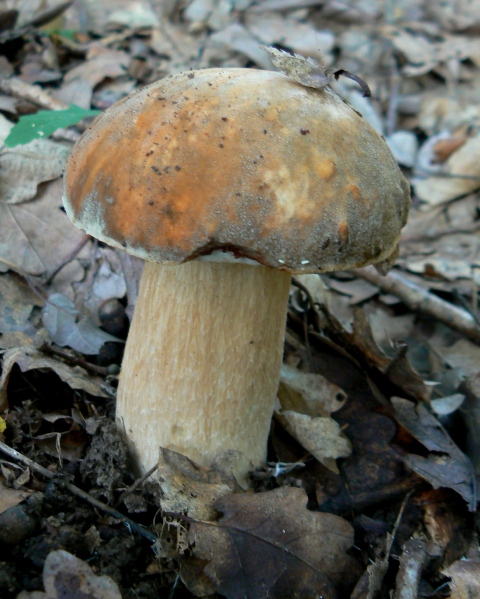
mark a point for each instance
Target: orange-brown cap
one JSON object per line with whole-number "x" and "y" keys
{"x": 247, "y": 162}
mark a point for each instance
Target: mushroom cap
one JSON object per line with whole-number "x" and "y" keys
{"x": 238, "y": 164}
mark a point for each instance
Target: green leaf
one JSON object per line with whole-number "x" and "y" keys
{"x": 43, "y": 123}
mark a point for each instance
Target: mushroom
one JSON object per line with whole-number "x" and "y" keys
{"x": 226, "y": 181}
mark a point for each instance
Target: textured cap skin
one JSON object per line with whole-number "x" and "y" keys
{"x": 240, "y": 160}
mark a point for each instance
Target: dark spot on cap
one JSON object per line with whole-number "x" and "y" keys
{"x": 156, "y": 170}
{"x": 325, "y": 244}
{"x": 166, "y": 169}
{"x": 151, "y": 203}
{"x": 177, "y": 168}
{"x": 161, "y": 98}
{"x": 304, "y": 131}
{"x": 149, "y": 153}
{"x": 264, "y": 131}
{"x": 191, "y": 75}
{"x": 220, "y": 145}
{"x": 224, "y": 118}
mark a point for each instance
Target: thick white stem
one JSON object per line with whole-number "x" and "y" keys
{"x": 202, "y": 361}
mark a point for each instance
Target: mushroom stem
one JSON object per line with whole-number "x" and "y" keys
{"x": 202, "y": 361}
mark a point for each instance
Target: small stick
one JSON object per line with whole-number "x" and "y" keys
{"x": 419, "y": 300}
{"x": 16, "y": 455}
{"x": 135, "y": 485}
{"x": 66, "y": 355}
{"x": 33, "y": 93}
{"x": 413, "y": 560}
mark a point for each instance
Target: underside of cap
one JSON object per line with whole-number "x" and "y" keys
{"x": 238, "y": 164}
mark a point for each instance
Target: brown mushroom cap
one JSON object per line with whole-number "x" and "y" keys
{"x": 244, "y": 161}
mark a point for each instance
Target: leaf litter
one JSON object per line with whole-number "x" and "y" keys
{"x": 376, "y": 424}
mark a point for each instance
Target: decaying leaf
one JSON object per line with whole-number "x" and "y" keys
{"x": 17, "y": 301}
{"x": 187, "y": 488}
{"x": 65, "y": 575}
{"x": 36, "y": 236}
{"x": 270, "y": 545}
{"x": 436, "y": 190}
{"x": 465, "y": 575}
{"x": 320, "y": 436}
{"x": 308, "y": 393}
{"x": 23, "y": 168}
{"x": 302, "y": 70}
{"x": 446, "y": 465}
{"x": 463, "y": 354}
{"x": 27, "y": 358}
{"x": 10, "y": 497}
{"x": 397, "y": 369}
{"x": 60, "y": 319}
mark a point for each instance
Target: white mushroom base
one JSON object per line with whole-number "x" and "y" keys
{"x": 202, "y": 361}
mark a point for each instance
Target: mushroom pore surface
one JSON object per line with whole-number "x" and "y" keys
{"x": 239, "y": 160}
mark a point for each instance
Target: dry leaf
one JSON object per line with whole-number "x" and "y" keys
{"x": 107, "y": 64}
{"x": 17, "y": 301}
{"x": 308, "y": 393}
{"x": 321, "y": 437}
{"x": 463, "y": 354}
{"x": 465, "y": 162}
{"x": 61, "y": 319}
{"x": 27, "y": 358}
{"x": 465, "y": 575}
{"x": 64, "y": 575}
{"x": 446, "y": 465}
{"x": 188, "y": 488}
{"x": 298, "y": 36}
{"x": 455, "y": 15}
{"x": 10, "y": 497}
{"x": 23, "y": 168}
{"x": 270, "y": 545}
{"x": 36, "y": 237}
{"x": 109, "y": 14}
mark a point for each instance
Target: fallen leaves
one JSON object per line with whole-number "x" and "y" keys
{"x": 27, "y": 358}
{"x": 321, "y": 437}
{"x": 36, "y": 236}
{"x": 269, "y": 545}
{"x": 445, "y": 465}
{"x": 61, "y": 319}
{"x": 459, "y": 175}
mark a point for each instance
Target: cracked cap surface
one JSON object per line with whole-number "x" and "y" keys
{"x": 238, "y": 164}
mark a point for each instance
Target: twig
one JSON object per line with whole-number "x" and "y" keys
{"x": 73, "y": 359}
{"x": 33, "y": 93}
{"x": 432, "y": 173}
{"x": 419, "y": 300}
{"x": 465, "y": 230}
{"x": 413, "y": 560}
{"x": 16, "y": 455}
{"x": 135, "y": 485}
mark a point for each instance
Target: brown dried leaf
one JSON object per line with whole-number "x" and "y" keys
{"x": 10, "y": 497}
{"x": 302, "y": 70}
{"x": 23, "y": 168}
{"x": 106, "y": 64}
{"x": 17, "y": 301}
{"x": 27, "y": 358}
{"x": 270, "y": 545}
{"x": 36, "y": 237}
{"x": 188, "y": 488}
{"x": 465, "y": 575}
{"x": 321, "y": 437}
{"x": 446, "y": 465}
{"x": 64, "y": 575}
{"x": 308, "y": 393}
{"x": 436, "y": 190}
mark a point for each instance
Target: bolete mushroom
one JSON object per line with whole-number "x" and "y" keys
{"x": 226, "y": 181}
